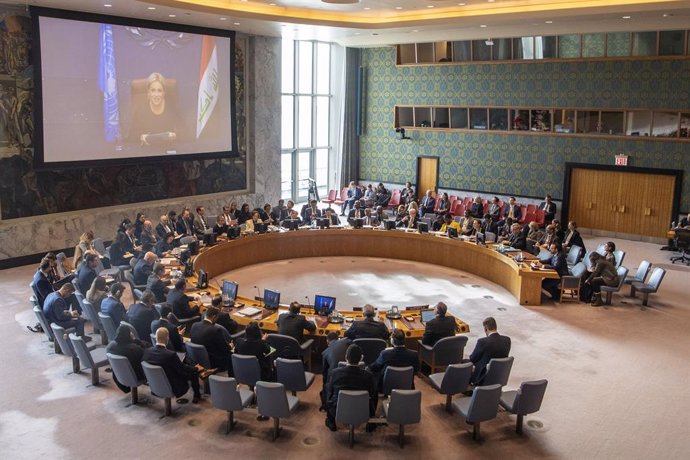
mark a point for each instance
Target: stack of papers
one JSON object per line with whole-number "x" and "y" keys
{"x": 249, "y": 311}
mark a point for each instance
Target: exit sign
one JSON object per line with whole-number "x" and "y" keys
{"x": 621, "y": 160}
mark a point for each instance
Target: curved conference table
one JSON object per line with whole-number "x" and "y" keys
{"x": 518, "y": 278}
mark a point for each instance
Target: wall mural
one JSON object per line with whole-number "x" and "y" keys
{"x": 507, "y": 163}
{"x": 25, "y": 192}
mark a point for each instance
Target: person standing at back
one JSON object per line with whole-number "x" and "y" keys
{"x": 294, "y": 324}
{"x": 440, "y": 327}
{"x": 368, "y": 328}
{"x": 492, "y": 346}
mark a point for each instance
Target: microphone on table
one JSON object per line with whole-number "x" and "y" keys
{"x": 258, "y": 296}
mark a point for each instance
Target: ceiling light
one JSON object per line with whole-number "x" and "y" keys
{"x": 357, "y": 33}
{"x": 235, "y": 23}
{"x": 489, "y": 42}
{"x": 151, "y": 8}
{"x": 491, "y": 1}
{"x": 415, "y": 31}
{"x": 398, "y": 7}
{"x": 462, "y": 4}
{"x": 482, "y": 26}
{"x": 430, "y": 6}
{"x": 548, "y": 22}
{"x": 272, "y": 4}
{"x": 108, "y": 5}
{"x": 172, "y": 15}
{"x": 626, "y": 17}
{"x": 366, "y": 8}
{"x": 223, "y": 19}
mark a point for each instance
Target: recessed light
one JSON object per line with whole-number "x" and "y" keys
{"x": 366, "y": 8}
{"x": 482, "y": 26}
{"x": 430, "y": 6}
{"x": 108, "y": 5}
{"x": 415, "y": 31}
{"x": 398, "y": 7}
{"x": 491, "y": 1}
{"x": 626, "y": 17}
{"x": 235, "y": 23}
{"x": 223, "y": 19}
{"x": 243, "y": 0}
{"x": 357, "y": 33}
{"x": 151, "y": 8}
{"x": 172, "y": 15}
{"x": 462, "y": 4}
{"x": 548, "y": 22}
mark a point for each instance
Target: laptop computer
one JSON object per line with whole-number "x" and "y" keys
{"x": 428, "y": 315}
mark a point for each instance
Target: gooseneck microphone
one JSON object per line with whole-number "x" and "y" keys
{"x": 308, "y": 301}
{"x": 258, "y": 296}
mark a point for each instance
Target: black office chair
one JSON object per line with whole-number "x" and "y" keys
{"x": 683, "y": 245}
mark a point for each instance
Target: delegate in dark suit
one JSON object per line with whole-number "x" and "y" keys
{"x": 487, "y": 348}
{"x": 175, "y": 343}
{"x": 294, "y": 325}
{"x": 207, "y": 334}
{"x": 179, "y": 302}
{"x": 141, "y": 316}
{"x": 350, "y": 377}
{"x": 54, "y": 308}
{"x": 114, "y": 308}
{"x": 517, "y": 241}
{"x": 332, "y": 355}
{"x": 163, "y": 230}
{"x": 551, "y": 285}
{"x": 131, "y": 349}
{"x": 142, "y": 271}
{"x": 158, "y": 287}
{"x": 256, "y": 347}
{"x": 398, "y": 356}
{"x": 438, "y": 328}
{"x": 573, "y": 238}
{"x": 179, "y": 374}
{"x": 368, "y": 328}
{"x": 85, "y": 276}
{"x": 517, "y": 212}
{"x": 42, "y": 287}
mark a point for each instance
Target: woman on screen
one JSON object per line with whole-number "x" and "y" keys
{"x": 155, "y": 122}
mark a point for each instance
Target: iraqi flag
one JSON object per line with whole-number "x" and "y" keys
{"x": 208, "y": 83}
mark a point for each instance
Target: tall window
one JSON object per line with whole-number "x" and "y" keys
{"x": 306, "y": 118}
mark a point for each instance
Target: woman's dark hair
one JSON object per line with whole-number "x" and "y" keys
{"x": 252, "y": 331}
{"x": 611, "y": 245}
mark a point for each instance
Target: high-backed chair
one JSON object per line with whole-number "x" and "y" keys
{"x": 352, "y": 410}
{"x": 398, "y": 378}
{"x": 199, "y": 355}
{"x": 123, "y": 371}
{"x": 288, "y": 347}
{"x": 403, "y": 408}
{"x": 640, "y": 274}
{"x": 453, "y": 381}
{"x": 129, "y": 278}
{"x": 290, "y": 372}
{"x": 65, "y": 345}
{"x": 619, "y": 255}
{"x": 159, "y": 384}
{"x": 246, "y": 370}
{"x": 570, "y": 284}
{"x": 609, "y": 290}
{"x": 137, "y": 293}
{"x": 226, "y": 396}
{"x": 129, "y": 325}
{"x": 108, "y": 326}
{"x": 90, "y": 312}
{"x": 481, "y": 407}
{"x": 332, "y": 195}
{"x": 574, "y": 255}
{"x": 45, "y": 325}
{"x": 498, "y": 371}
{"x": 683, "y": 245}
{"x": 650, "y": 287}
{"x": 371, "y": 348}
{"x": 446, "y": 351}
{"x": 273, "y": 401}
{"x": 89, "y": 359}
{"x": 524, "y": 401}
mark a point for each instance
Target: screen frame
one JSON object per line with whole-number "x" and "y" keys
{"x": 38, "y": 142}
{"x": 266, "y": 304}
{"x": 237, "y": 287}
{"x": 319, "y": 311}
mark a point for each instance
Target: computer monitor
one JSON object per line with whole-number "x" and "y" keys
{"x": 358, "y": 223}
{"x": 229, "y": 291}
{"x": 390, "y": 224}
{"x": 423, "y": 227}
{"x": 324, "y": 305}
{"x": 291, "y": 224}
{"x": 234, "y": 232}
{"x": 452, "y": 232}
{"x": 260, "y": 227}
{"x": 481, "y": 238}
{"x": 193, "y": 248}
{"x": 428, "y": 315}
{"x": 323, "y": 222}
{"x": 271, "y": 299}
{"x": 210, "y": 239}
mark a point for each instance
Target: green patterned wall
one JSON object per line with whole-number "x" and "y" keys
{"x": 527, "y": 165}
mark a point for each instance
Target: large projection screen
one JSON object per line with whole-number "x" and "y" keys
{"x": 113, "y": 90}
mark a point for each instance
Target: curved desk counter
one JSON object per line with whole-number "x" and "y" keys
{"x": 518, "y": 278}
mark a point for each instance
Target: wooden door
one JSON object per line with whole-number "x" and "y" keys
{"x": 427, "y": 175}
{"x": 622, "y": 202}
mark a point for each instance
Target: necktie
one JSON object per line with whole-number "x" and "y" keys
{"x": 510, "y": 212}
